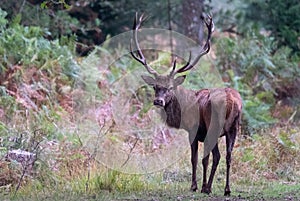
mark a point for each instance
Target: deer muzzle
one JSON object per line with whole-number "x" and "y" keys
{"x": 159, "y": 102}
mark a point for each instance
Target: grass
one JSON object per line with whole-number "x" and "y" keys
{"x": 252, "y": 179}
{"x": 262, "y": 190}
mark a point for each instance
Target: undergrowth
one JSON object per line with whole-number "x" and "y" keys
{"x": 50, "y": 104}
{"x": 271, "y": 159}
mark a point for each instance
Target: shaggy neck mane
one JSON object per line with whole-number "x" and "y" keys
{"x": 173, "y": 112}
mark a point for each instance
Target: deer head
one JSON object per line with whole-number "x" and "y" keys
{"x": 165, "y": 85}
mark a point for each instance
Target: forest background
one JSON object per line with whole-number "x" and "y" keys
{"x": 52, "y": 79}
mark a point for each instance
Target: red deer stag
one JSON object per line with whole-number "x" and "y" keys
{"x": 206, "y": 114}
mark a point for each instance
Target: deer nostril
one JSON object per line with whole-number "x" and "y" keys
{"x": 159, "y": 102}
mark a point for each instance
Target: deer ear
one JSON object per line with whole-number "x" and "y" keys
{"x": 179, "y": 80}
{"x": 149, "y": 80}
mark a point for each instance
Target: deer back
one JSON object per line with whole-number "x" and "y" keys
{"x": 220, "y": 105}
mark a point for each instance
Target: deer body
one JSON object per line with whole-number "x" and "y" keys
{"x": 206, "y": 114}
{"x": 189, "y": 109}
{"x": 192, "y": 109}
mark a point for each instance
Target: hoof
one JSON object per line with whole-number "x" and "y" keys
{"x": 205, "y": 190}
{"x": 227, "y": 193}
{"x": 194, "y": 188}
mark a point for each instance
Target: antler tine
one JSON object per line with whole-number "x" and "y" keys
{"x": 205, "y": 49}
{"x": 140, "y": 56}
{"x": 173, "y": 72}
{"x": 186, "y": 65}
{"x": 174, "y": 67}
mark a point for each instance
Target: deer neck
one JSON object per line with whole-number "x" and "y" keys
{"x": 173, "y": 113}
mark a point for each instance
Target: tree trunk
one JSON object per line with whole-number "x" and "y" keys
{"x": 192, "y": 25}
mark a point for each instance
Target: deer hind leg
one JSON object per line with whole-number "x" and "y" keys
{"x": 230, "y": 139}
{"x": 194, "y": 160}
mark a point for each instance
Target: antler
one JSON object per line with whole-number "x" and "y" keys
{"x": 139, "y": 56}
{"x": 205, "y": 49}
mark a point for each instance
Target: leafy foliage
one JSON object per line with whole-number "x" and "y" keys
{"x": 278, "y": 19}
{"x": 36, "y": 76}
{"x": 259, "y": 72}
{"x": 281, "y": 17}
{"x": 57, "y": 24}
{"x": 27, "y": 46}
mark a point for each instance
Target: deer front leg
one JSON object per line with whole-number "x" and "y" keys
{"x": 194, "y": 160}
{"x": 216, "y": 159}
{"x": 204, "y": 182}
